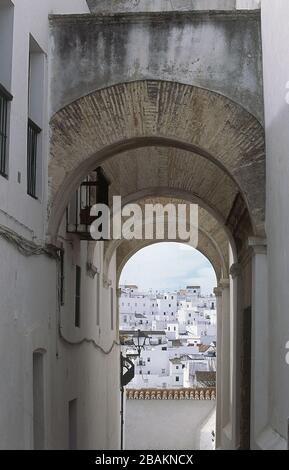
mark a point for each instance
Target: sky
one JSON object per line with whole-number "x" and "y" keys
{"x": 169, "y": 266}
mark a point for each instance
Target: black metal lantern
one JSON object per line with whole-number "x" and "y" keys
{"x": 93, "y": 190}
{"x": 139, "y": 341}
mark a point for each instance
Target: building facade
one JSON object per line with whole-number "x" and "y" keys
{"x": 172, "y": 357}
{"x": 185, "y": 120}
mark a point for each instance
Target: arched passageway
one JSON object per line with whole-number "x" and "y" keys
{"x": 155, "y": 113}
{"x": 158, "y": 141}
{"x": 153, "y": 284}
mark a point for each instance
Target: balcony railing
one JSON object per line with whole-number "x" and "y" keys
{"x": 5, "y": 98}
{"x": 33, "y": 132}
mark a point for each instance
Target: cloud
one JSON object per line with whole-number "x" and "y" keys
{"x": 169, "y": 266}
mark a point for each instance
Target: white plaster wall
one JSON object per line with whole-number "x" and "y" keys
{"x": 29, "y": 311}
{"x": 207, "y": 439}
{"x": 166, "y": 424}
{"x": 276, "y": 75}
{"x": 27, "y": 323}
{"x": 30, "y": 17}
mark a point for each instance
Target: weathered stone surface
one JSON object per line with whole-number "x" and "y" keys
{"x": 157, "y": 170}
{"x": 115, "y": 120}
{"x": 100, "y": 6}
{"x": 212, "y": 239}
{"x": 217, "y": 50}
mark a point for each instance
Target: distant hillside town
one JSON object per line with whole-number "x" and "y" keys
{"x": 180, "y": 349}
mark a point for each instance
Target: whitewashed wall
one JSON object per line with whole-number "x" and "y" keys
{"x": 29, "y": 311}
{"x": 167, "y": 424}
{"x": 272, "y": 420}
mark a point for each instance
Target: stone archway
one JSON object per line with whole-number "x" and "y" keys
{"x": 146, "y": 113}
{"x": 195, "y": 140}
{"x": 213, "y": 238}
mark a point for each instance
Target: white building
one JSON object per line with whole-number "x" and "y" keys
{"x": 137, "y": 310}
{"x": 48, "y": 306}
{"x": 71, "y": 105}
{"x": 165, "y": 362}
{"x": 177, "y": 372}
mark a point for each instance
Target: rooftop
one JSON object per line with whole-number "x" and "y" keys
{"x": 208, "y": 379}
{"x": 172, "y": 394}
{"x": 176, "y": 360}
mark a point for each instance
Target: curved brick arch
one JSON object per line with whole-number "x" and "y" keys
{"x": 138, "y": 114}
{"x": 129, "y": 248}
{"x": 213, "y": 241}
{"x": 126, "y": 249}
{"x": 209, "y": 221}
{"x": 159, "y": 171}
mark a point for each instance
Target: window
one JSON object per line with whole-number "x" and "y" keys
{"x": 149, "y": 359}
{"x": 38, "y": 401}
{"x": 72, "y": 425}
{"x": 5, "y": 99}
{"x": 77, "y": 296}
{"x": 177, "y": 367}
{"x": 177, "y": 379}
{"x": 6, "y": 41}
{"x": 35, "y": 118}
{"x": 32, "y": 150}
{"x": 149, "y": 372}
{"x": 170, "y": 305}
{"x": 172, "y": 314}
{"x": 163, "y": 371}
{"x": 6, "y": 47}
